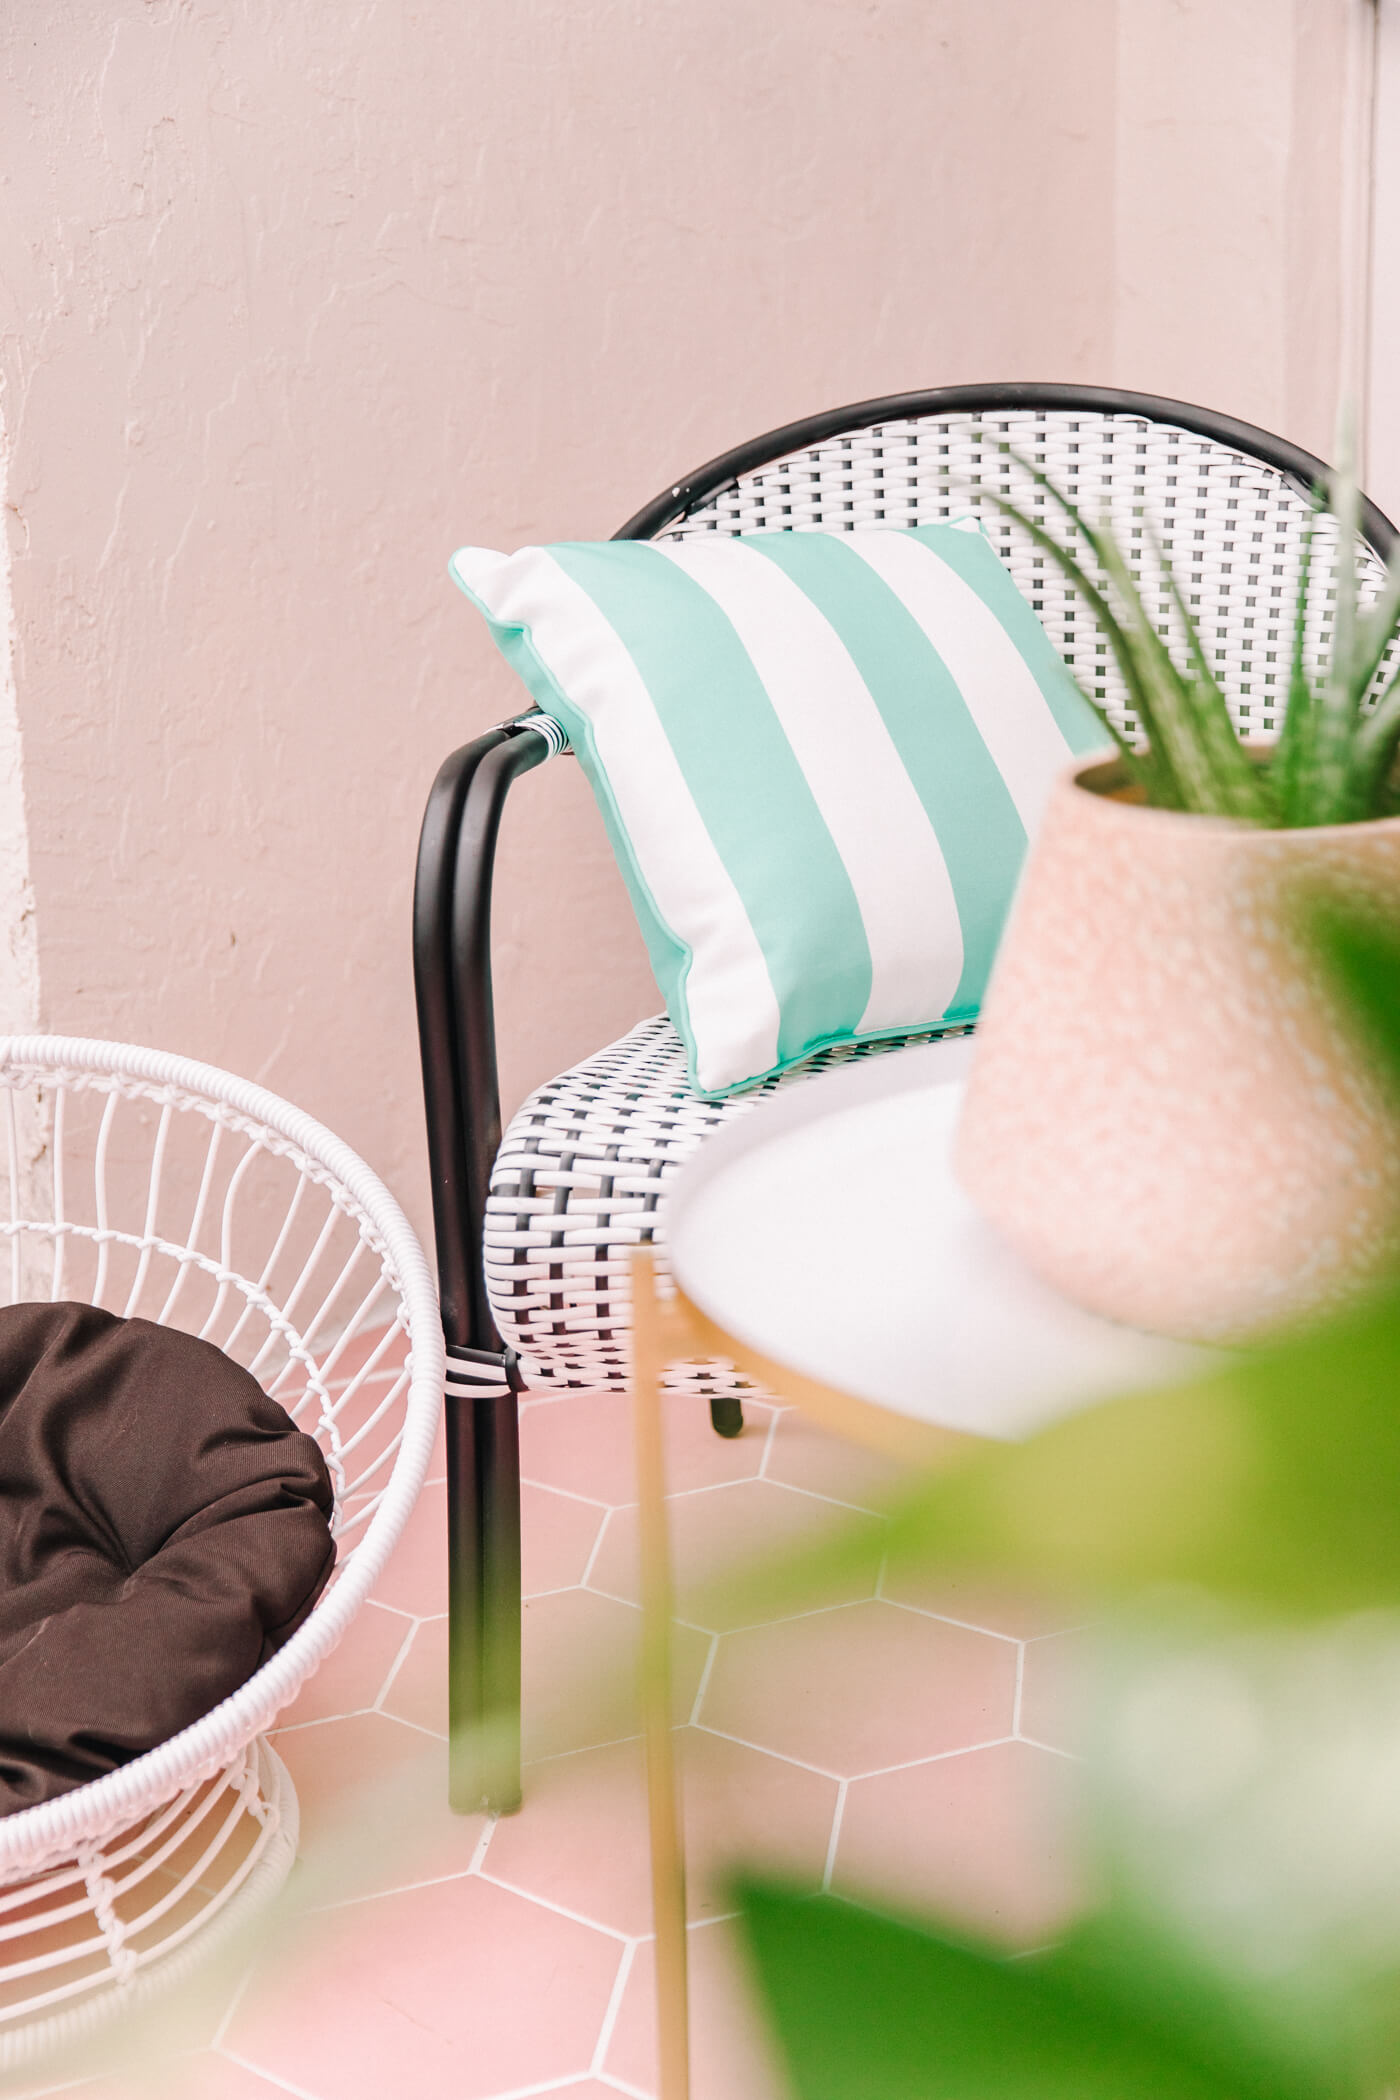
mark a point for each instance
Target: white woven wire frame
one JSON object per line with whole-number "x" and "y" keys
{"x": 582, "y": 1171}
{"x": 155, "y": 1185}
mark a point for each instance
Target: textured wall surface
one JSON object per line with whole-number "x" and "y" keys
{"x": 1229, "y": 205}
{"x": 294, "y": 300}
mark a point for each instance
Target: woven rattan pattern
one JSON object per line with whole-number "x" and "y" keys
{"x": 580, "y": 1180}
{"x": 581, "y": 1175}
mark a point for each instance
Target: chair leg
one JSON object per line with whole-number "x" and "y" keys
{"x": 483, "y": 1558}
{"x": 726, "y": 1414}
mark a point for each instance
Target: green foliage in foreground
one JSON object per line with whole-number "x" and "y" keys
{"x": 1334, "y": 760}
{"x": 1245, "y": 1529}
{"x": 874, "y": 2007}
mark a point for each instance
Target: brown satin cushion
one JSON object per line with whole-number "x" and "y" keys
{"x": 163, "y": 1530}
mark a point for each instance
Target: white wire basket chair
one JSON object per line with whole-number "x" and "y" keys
{"x": 152, "y": 1185}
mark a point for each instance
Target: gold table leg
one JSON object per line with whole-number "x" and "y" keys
{"x": 655, "y": 1340}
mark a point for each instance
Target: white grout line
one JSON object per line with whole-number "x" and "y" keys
{"x": 437, "y": 1735}
{"x": 555, "y": 1757}
{"x": 483, "y": 1844}
{"x": 935, "y": 1757}
{"x": 822, "y": 1771}
{"x": 943, "y": 1618}
{"x": 356, "y": 1713}
{"x": 830, "y": 1866}
{"x": 704, "y": 1684}
{"x": 768, "y": 1441}
{"x": 397, "y": 1609}
{"x": 614, "y": 2007}
{"x": 597, "y": 1549}
{"x": 1020, "y": 1681}
{"x": 570, "y": 2084}
{"x": 861, "y": 1509}
{"x": 569, "y": 1589}
{"x": 233, "y": 2004}
{"x": 560, "y": 1910}
{"x": 620, "y": 2085}
{"x": 549, "y": 1487}
{"x": 283, "y": 2085}
{"x": 398, "y": 1888}
{"x": 1034, "y": 1742}
{"x": 396, "y": 1665}
{"x": 613, "y": 1598}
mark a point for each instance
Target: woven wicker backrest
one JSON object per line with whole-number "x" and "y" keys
{"x": 1231, "y": 525}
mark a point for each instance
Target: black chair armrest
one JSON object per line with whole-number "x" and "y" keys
{"x": 456, "y": 1014}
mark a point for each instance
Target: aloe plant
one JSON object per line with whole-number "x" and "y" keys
{"x": 1335, "y": 758}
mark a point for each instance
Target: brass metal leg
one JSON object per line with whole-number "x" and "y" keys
{"x": 651, "y": 1322}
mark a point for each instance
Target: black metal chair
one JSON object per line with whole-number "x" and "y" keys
{"x": 533, "y": 1234}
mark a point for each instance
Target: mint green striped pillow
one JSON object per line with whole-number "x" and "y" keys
{"x": 819, "y": 756}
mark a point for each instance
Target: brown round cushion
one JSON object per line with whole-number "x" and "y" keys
{"x": 163, "y": 1529}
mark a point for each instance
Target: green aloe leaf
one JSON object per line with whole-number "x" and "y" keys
{"x": 1375, "y": 626}
{"x": 1327, "y": 778}
{"x": 1205, "y": 752}
{"x": 1248, "y": 787}
{"x": 1373, "y": 751}
{"x": 1152, "y": 767}
{"x": 1191, "y": 739}
{"x": 1292, "y": 753}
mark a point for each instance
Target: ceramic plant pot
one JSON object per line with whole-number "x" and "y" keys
{"x": 1164, "y": 1116}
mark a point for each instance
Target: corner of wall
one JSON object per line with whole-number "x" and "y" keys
{"x": 19, "y": 944}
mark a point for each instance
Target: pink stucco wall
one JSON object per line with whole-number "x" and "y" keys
{"x": 293, "y": 300}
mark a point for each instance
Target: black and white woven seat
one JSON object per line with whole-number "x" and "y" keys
{"x": 534, "y": 1230}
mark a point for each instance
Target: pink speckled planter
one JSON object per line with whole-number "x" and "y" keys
{"x": 1164, "y": 1117}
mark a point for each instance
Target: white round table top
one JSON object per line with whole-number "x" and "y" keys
{"x": 826, "y": 1231}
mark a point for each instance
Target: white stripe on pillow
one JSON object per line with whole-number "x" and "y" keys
{"x": 872, "y": 811}
{"x": 995, "y": 680}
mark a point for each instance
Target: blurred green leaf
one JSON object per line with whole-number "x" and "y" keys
{"x": 872, "y": 2007}
{"x": 1358, "y": 952}
{"x": 1240, "y": 1780}
{"x": 1273, "y": 1483}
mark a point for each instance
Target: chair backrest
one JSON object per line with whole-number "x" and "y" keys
{"x": 1227, "y": 504}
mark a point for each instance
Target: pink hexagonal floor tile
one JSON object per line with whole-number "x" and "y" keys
{"x": 582, "y": 1841}
{"x": 202, "y": 2076}
{"x": 861, "y": 1687}
{"x": 1052, "y": 1691}
{"x": 415, "y": 1579}
{"x": 461, "y": 1987}
{"x": 719, "y": 1532}
{"x": 354, "y": 1673}
{"x": 731, "y": 2057}
{"x": 584, "y": 1443}
{"x": 997, "y": 1607}
{"x": 557, "y": 1535}
{"x": 372, "y": 1840}
{"x": 584, "y": 2089}
{"x": 803, "y": 1456}
{"x": 578, "y": 1671}
{"x": 982, "y": 1839}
